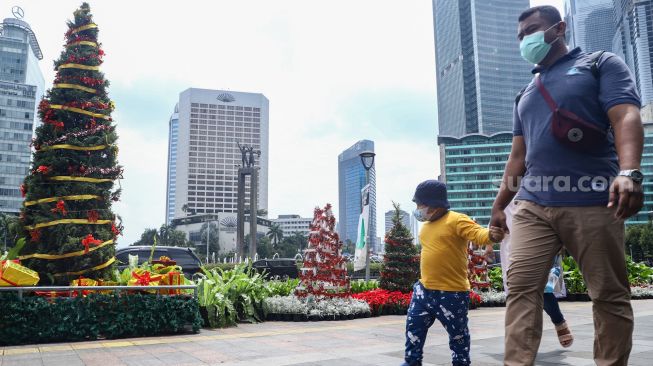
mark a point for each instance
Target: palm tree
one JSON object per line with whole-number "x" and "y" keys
{"x": 300, "y": 239}
{"x": 275, "y": 234}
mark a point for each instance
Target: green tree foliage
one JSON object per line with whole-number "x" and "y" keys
{"x": 165, "y": 236}
{"x": 74, "y": 165}
{"x": 212, "y": 235}
{"x": 401, "y": 261}
{"x": 639, "y": 242}
{"x": 275, "y": 234}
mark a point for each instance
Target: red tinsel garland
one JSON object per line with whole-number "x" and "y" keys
{"x": 90, "y": 240}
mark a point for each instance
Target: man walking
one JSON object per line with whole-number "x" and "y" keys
{"x": 574, "y": 166}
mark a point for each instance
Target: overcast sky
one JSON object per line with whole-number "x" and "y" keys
{"x": 335, "y": 72}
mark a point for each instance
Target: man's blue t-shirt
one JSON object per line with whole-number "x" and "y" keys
{"x": 555, "y": 174}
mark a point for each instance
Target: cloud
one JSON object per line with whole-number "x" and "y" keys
{"x": 335, "y": 72}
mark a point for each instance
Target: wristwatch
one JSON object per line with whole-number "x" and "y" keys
{"x": 633, "y": 174}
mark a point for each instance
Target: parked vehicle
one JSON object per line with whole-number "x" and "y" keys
{"x": 185, "y": 257}
{"x": 277, "y": 268}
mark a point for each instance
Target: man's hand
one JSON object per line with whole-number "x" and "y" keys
{"x": 498, "y": 219}
{"x": 496, "y": 233}
{"x": 627, "y": 195}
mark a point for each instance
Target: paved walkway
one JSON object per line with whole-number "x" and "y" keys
{"x": 372, "y": 341}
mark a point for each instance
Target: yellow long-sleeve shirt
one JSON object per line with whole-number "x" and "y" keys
{"x": 444, "y": 251}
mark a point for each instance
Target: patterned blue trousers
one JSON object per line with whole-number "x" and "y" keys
{"x": 450, "y": 308}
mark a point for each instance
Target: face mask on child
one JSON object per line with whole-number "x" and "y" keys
{"x": 421, "y": 214}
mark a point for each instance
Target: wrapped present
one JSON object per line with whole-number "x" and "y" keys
{"x": 172, "y": 279}
{"x": 83, "y": 282}
{"x": 144, "y": 278}
{"x": 165, "y": 261}
{"x": 107, "y": 283}
{"x": 52, "y": 295}
{"x": 14, "y": 274}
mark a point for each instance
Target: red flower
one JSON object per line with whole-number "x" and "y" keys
{"x": 23, "y": 190}
{"x": 43, "y": 169}
{"x": 115, "y": 230}
{"x": 35, "y": 235}
{"x": 93, "y": 216}
{"x": 61, "y": 207}
{"x": 90, "y": 240}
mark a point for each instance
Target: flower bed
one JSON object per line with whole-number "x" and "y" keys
{"x": 384, "y": 302}
{"x": 292, "y": 308}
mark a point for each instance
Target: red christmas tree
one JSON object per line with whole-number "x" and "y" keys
{"x": 477, "y": 268}
{"x": 324, "y": 272}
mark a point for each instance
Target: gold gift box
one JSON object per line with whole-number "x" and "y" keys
{"x": 14, "y": 274}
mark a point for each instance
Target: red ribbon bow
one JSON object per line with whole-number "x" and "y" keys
{"x": 142, "y": 280}
{"x": 90, "y": 240}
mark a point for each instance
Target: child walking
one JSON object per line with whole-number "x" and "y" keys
{"x": 442, "y": 293}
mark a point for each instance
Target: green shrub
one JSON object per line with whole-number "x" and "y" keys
{"x": 358, "y": 286}
{"x": 496, "y": 278}
{"x": 34, "y": 319}
{"x": 375, "y": 270}
{"x": 282, "y": 288}
{"x": 233, "y": 295}
{"x": 222, "y": 266}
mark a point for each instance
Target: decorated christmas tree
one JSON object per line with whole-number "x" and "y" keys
{"x": 324, "y": 272}
{"x": 401, "y": 261}
{"x": 69, "y": 226}
{"x": 477, "y": 267}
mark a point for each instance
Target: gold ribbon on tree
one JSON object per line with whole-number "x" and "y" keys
{"x": 67, "y": 255}
{"x": 73, "y": 147}
{"x": 103, "y": 265}
{"x": 79, "y": 110}
{"x": 66, "y": 178}
{"x": 79, "y": 197}
{"x": 79, "y": 66}
{"x": 75, "y": 86}
{"x": 68, "y": 221}
{"x": 83, "y": 43}
{"x": 83, "y": 28}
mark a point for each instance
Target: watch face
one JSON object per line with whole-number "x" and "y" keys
{"x": 637, "y": 176}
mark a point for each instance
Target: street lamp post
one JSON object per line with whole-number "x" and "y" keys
{"x": 367, "y": 158}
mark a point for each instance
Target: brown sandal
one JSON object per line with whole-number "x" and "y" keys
{"x": 564, "y": 335}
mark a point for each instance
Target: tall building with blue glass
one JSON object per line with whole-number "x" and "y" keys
{"x": 590, "y": 24}
{"x": 21, "y": 88}
{"x": 646, "y": 213}
{"x": 479, "y": 70}
{"x": 173, "y": 137}
{"x": 633, "y": 41}
{"x": 351, "y": 180}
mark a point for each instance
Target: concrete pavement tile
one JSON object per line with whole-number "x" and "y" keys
{"x": 142, "y": 361}
{"x": 24, "y": 362}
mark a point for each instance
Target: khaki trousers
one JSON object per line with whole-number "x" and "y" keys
{"x": 596, "y": 240}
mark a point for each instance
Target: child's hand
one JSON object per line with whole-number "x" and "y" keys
{"x": 496, "y": 234}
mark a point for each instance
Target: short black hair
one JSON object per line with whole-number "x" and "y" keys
{"x": 547, "y": 12}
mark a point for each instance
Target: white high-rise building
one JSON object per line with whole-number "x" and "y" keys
{"x": 203, "y": 155}
{"x": 21, "y": 89}
{"x": 291, "y": 224}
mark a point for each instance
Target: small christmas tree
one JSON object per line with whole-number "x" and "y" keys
{"x": 69, "y": 226}
{"x": 324, "y": 272}
{"x": 401, "y": 261}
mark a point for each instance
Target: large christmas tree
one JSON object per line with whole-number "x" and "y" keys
{"x": 69, "y": 226}
{"x": 401, "y": 260}
{"x": 324, "y": 272}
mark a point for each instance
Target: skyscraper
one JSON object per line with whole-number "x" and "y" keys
{"x": 479, "y": 71}
{"x": 590, "y": 24}
{"x": 351, "y": 180}
{"x": 173, "y": 137}
{"x": 21, "y": 87}
{"x": 478, "y": 66}
{"x": 203, "y": 156}
{"x": 633, "y": 40}
{"x": 405, "y": 219}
